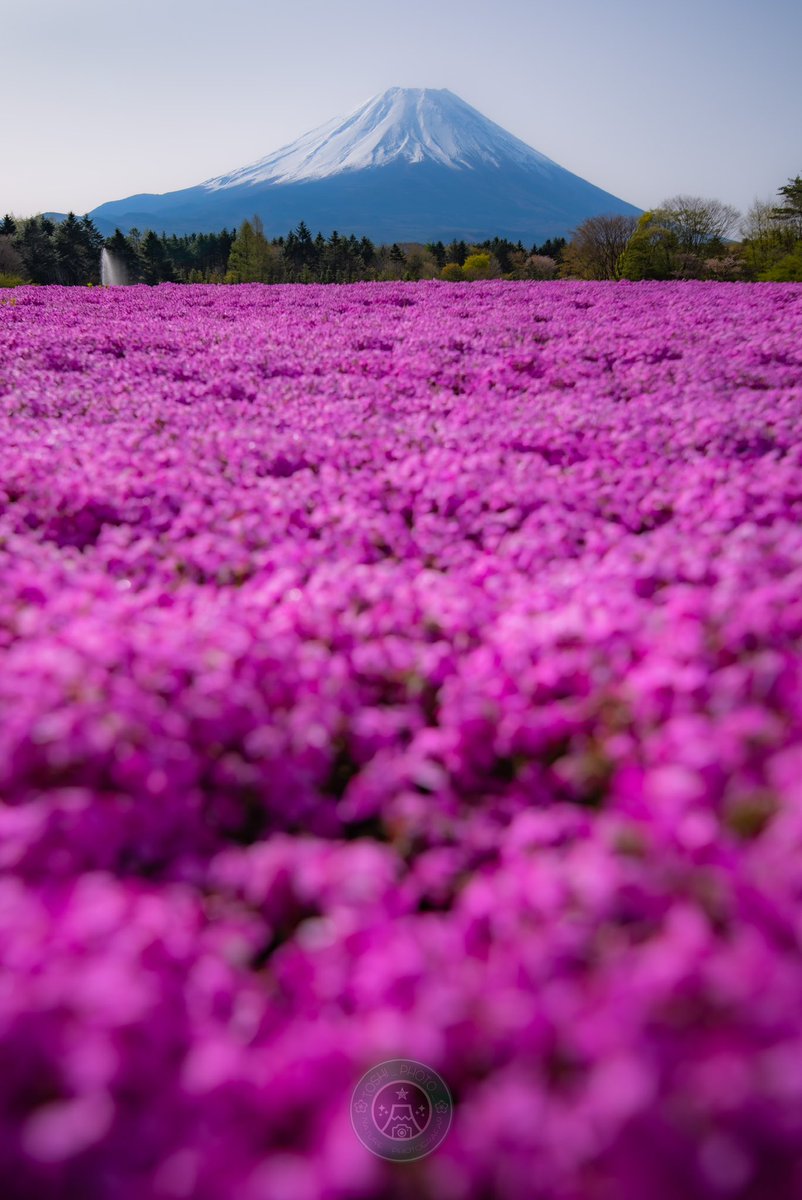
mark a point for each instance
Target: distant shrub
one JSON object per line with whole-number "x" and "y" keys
{"x": 452, "y": 272}
{"x": 729, "y": 267}
{"x": 788, "y": 269}
{"x": 477, "y": 266}
{"x": 540, "y": 266}
{"x": 11, "y": 281}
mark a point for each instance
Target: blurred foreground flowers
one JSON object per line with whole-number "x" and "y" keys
{"x": 401, "y": 670}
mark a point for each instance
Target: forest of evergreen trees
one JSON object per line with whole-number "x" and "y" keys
{"x": 40, "y": 250}
{"x": 686, "y": 237}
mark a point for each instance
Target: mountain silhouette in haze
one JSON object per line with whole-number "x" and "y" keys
{"x": 413, "y": 164}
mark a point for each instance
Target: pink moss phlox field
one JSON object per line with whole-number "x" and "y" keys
{"x": 401, "y": 670}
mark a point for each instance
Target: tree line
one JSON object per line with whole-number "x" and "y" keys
{"x": 689, "y": 237}
{"x": 685, "y": 237}
{"x": 40, "y": 250}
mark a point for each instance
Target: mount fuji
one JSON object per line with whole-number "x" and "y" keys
{"x": 412, "y": 164}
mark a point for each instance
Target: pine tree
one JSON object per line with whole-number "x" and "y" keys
{"x": 127, "y": 255}
{"x": 72, "y": 252}
{"x": 791, "y": 208}
{"x": 34, "y": 241}
{"x": 93, "y": 244}
{"x": 250, "y": 258}
{"x": 156, "y": 266}
{"x": 12, "y": 268}
{"x": 456, "y": 252}
{"x": 367, "y": 251}
{"x": 552, "y": 248}
{"x": 438, "y": 253}
{"x": 242, "y": 259}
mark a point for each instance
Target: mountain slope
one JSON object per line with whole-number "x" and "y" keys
{"x": 411, "y": 164}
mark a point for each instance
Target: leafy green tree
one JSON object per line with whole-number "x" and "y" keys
{"x": 676, "y": 240}
{"x": 787, "y": 269}
{"x": 651, "y": 251}
{"x": 766, "y": 238}
{"x": 452, "y": 272}
{"x": 787, "y": 266}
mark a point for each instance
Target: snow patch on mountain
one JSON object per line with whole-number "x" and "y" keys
{"x": 401, "y": 125}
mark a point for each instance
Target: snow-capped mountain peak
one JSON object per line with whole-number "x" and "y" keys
{"x": 411, "y": 165}
{"x": 401, "y": 125}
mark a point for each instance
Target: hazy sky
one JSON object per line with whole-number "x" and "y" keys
{"x": 104, "y": 98}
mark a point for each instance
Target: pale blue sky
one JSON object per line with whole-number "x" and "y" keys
{"x": 104, "y": 98}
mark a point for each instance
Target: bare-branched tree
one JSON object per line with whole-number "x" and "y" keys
{"x": 596, "y": 246}
{"x": 697, "y": 222}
